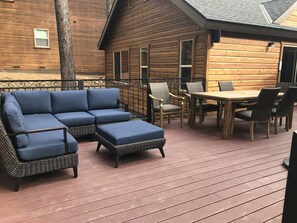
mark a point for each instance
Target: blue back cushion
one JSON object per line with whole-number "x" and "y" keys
{"x": 103, "y": 98}
{"x": 15, "y": 122}
{"x": 69, "y": 101}
{"x": 7, "y": 97}
{"x": 34, "y": 101}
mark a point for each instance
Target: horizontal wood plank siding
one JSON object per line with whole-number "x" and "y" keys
{"x": 291, "y": 21}
{"x": 18, "y": 19}
{"x": 248, "y": 63}
{"x": 160, "y": 25}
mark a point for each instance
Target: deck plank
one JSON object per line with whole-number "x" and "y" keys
{"x": 202, "y": 179}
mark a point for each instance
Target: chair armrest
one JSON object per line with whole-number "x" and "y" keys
{"x": 177, "y": 97}
{"x": 46, "y": 130}
{"x": 126, "y": 105}
{"x": 188, "y": 95}
{"x": 155, "y": 98}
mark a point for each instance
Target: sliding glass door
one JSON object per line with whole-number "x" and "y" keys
{"x": 289, "y": 65}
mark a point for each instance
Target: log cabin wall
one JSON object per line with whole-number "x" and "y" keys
{"x": 248, "y": 62}
{"x": 160, "y": 25}
{"x": 19, "y": 18}
{"x": 291, "y": 20}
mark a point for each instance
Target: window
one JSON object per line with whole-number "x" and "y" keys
{"x": 186, "y": 61}
{"x": 41, "y": 38}
{"x": 121, "y": 65}
{"x": 289, "y": 65}
{"x": 144, "y": 64}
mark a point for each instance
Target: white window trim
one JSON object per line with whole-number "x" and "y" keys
{"x": 48, "y": 39}
{"x": 180, "y": 57}
{"x": 141, "y": 66}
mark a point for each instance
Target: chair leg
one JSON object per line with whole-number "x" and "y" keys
{"x": 75, "y": 172}
{"x": 169, "y": 118}
{"x": 280, "y": 121}
{"x": 161, "y": 118}
{"x": 275, "y": 125}
{"x": 287, "y": 123}
{"x": 182, "y": 118}
{"x": 17, "y": 183}
{"x": 153, "y": 118}
{"x": 218, "y": 118}
{"x": 116, "y": 161}
{"x": 162, "y": 152}
{"x": 252, "y": 127}
{"x": 98, "y": 146}
{"x": 268, "y": 129}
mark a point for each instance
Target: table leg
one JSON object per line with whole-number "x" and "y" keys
{"x": 192, "y": 112}
{"x": 227, "y": 119}
{"x": 200, "y": 111}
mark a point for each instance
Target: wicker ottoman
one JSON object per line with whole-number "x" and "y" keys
{"x": 129, "y": 137}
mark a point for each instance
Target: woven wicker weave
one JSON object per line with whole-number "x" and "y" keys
{"x": 130, "y": 148}
{"x": 19, "y": 169}
{"x": 76, "y": 131}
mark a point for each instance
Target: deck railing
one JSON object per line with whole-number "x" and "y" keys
{"x": 134, "y": 92}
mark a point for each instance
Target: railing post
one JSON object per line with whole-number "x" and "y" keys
{"x": 80, "y": 84}
{"x": 290, "y": 204}
{"x": 148, "y": 103}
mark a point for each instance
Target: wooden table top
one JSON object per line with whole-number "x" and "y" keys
{"x": 229, "y": 95}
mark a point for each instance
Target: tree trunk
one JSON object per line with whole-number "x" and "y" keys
{"x": 65, "y": 43}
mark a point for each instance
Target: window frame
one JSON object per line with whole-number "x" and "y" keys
{"x": 35, "y": 38}
{"x": 140, "y": 62}
{"x": 181, "y": 66}
{"x": 121, "y": 64}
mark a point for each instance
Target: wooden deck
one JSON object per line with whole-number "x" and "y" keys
{"x": 202, "y": 179}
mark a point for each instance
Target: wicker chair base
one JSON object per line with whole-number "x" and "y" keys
{"x": 18, "y": 169}
{"x": 76, "y": 131}
{"x": 119, "y": 150}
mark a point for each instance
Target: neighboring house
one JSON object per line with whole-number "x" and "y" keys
{"x": 252, "y": 43}
{"x": 28, "y": 35}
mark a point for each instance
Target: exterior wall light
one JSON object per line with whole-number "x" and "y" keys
{"x": 270, "y": 44}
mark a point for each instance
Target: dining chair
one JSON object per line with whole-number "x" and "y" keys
{"x": 161, "y": 102}
{"x": 260, "y": 112}
{"x": 285, "y": 108}
{"x": 203, "y": 107}
{"x": 226, "y": 86}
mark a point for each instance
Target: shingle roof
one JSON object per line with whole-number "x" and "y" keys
{"x": 248, "y": 12}
{"x": 276, "y": 8}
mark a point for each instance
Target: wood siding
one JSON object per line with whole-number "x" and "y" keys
{"x": 18, "y": 19}
{"x": 248, "y": 63}
{"x": 160, "y": 25}
{"x": 291, "y": 21}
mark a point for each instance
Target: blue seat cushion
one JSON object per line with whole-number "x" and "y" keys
{"x": 32, "y": 102}
{"x": 42, "y": 121}
{"x": 46, "y": 144}
{"x": 75, "y": 118}
{"x": 110, "y": 115}
{"x": 15, "y": 123}
{"x": 69, "y": 101}
{"x": 129, "y": 132}
{"x": 103, "y": 98}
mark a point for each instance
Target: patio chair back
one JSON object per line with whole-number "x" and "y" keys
{"x": 285, "y": 105}
{"x": 226, "y": 86}
{"x": 194, "y": 87}
{"x": 160, "y": 90}
{"x": 264, "y": 104}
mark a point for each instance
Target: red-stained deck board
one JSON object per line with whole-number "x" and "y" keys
{"x": 202, "y": 178}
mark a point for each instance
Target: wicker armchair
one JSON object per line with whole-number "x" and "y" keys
{"x": 160, "y": 96}
{"x": 261, "y": 111}
{"x": 19, "y": 169}
{"x": 285, "y": 108}
{"x": 203, "y": 107}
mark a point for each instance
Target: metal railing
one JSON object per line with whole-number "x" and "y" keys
{"x": 134, "y": 92}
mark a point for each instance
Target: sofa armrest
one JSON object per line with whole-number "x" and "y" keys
{"x": 45, "y": 130}
{"x": 126, "y": 105}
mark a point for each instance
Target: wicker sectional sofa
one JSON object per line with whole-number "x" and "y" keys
{"x": 41, "y": 126}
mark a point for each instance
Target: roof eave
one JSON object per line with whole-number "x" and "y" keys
{"x": 102, "y": 39}
{"x": 250, "y": 29}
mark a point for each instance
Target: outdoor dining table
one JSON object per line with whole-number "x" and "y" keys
{"x": 226, "y": 97}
